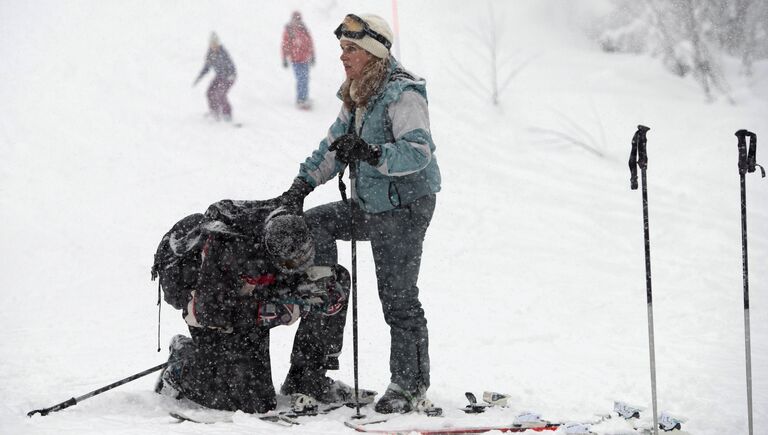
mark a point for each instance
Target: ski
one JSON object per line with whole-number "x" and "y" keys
{"x": 224, "y": 417}
{"x": 525, "y": 422}
{"x": 301, "y": 406}
{"x": 567, "y": 428}
{"x": 452, "y": 430}
{"x": 316, "y": 411}
{"x": 624, "y": 420}
{"x": 220, "y": 120}
{"x": 201, "y": 419}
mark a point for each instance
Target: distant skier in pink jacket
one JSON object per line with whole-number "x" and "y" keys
{"x": 297, "y": 48}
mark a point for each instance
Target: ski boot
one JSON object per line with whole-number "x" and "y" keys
{"x": 496, "y": 399}
{"x": 398, "y": 401}
{"x": 530, "y": 420}
{"x": 169, "y": 382}
{"x": 626, "y": 410}
{"x": 316, "y": 384}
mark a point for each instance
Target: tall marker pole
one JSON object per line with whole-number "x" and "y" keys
{"x": 396, "y": 29}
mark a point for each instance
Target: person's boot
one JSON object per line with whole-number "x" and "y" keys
{"x": 397, "y": 400}
{"x": 306, "y": 380}
{"x": 314, "y": 383}
{"x": 169, "y": 381}
{"x": 340, "y": 393}
{"x": 294, "y": 381}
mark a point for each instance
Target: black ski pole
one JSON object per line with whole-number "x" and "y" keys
{"x": 747, "y": 164}
{"x": 352, "y": 177}
{"x": 76, "y": 400}
{"x": 639, "y": 157}
{"x": 342, "y": 189}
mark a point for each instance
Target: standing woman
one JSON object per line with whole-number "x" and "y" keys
{"x": 383, "y": 125}
{"x": 218, "y": 59}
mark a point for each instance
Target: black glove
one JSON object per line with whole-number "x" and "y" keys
{"x": 285, "y": 63}
{"x": 293, "y": 198}
{"x": 351, "y": 148}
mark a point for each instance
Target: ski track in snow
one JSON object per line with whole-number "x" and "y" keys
{"x": 533, "y": 274}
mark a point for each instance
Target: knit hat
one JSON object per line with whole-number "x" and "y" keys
{"x": 376, "y": 48}
{"x": 214, "y": 40}
{"x": 288, "y": 239}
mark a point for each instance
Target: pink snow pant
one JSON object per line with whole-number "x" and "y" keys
{"x": 217, "y": 96}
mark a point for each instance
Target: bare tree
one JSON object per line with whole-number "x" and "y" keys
{"x": 705, "y": 67}
{"x": 755, "y": 39}
{"x": 691, "y": 36}
{"x": 496, "y": 60}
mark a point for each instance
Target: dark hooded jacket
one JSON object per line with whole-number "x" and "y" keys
{"x": 221, "y": 62}
{"x": 237, "y": 274}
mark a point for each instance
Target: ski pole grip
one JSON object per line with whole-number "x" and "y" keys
{"x": 342, "y": 186}
{"x": 638, "y": 155}
{"x": 642, "y": 153}
{"x": 54, "y": 408}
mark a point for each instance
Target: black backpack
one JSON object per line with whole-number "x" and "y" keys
{"x": 179, "y": 255}
{"x": 178, "y": 259}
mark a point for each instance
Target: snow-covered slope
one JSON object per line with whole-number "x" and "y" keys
{"x": 533, "y": 272}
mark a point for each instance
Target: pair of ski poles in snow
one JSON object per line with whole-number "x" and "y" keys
{"x": 747, "y": 164}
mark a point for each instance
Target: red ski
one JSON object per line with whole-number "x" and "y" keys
{"x": 453, "y": 430}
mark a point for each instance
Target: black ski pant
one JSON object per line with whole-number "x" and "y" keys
{"x": 229, "y": 371}
{"x": 319, "y": 339}
{"x": 396, "y": 238}
{"x": 232, "y": 371}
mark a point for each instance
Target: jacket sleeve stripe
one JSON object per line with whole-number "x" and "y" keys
{"x": 412, "y": 149}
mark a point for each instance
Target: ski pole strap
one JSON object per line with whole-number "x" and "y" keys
{"x": 752, "y": 156}
{"x": 342, "y": 186}
{"x": 638, "y": 156}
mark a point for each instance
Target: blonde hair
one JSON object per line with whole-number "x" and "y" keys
{"x": 357, "y": 93}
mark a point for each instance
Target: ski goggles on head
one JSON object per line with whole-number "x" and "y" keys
{"x": 354, "y": 27}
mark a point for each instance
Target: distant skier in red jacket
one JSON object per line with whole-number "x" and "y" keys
{"x": 218, "y": 59}
{"x": 297, "y": 48}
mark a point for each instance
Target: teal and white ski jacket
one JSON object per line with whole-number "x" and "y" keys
{"x": 396, "y": 119}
